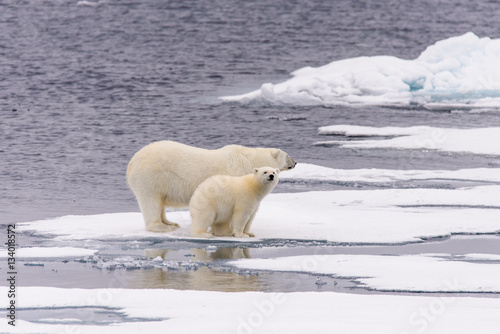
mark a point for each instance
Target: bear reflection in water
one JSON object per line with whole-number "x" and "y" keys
{"x": 202, "y": 278}
{"x": 202, "y": 255}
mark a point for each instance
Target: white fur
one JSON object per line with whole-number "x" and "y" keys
{"x": 166, "y": 174}
{"x": 228, "y": 204}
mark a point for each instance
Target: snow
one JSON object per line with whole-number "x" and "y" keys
{"x": 305, "y": 172}
{"x": 391, "y": 273}
{"x": 458, "y": 72}
{"x": 343, "y": 216}
{"x": 173, "y": 311}
{"x": 475, "y": 141}
{"x": 50, "y": 252}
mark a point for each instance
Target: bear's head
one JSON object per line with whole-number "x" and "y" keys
{"x": 285, "y": 162}
{"x": 267, "y": 175}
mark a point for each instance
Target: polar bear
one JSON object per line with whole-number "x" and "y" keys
{"x": 228, "y": 204}
{"x": 166, "y": 174}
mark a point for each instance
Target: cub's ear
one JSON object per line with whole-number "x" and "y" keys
{"x": 277, "y": 170}
{"x": 256, "y": 170}
{"x": 276, "y": 153}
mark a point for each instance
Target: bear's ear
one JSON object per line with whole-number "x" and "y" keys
{"x": 256, "y": 170}
{"x": 276, "y": 154}
{"x": 277, "y": 170}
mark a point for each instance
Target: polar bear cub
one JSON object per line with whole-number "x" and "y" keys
{"x": 228, "y": 204}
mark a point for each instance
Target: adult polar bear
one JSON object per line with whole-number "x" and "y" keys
{"x": 166, "y": 174}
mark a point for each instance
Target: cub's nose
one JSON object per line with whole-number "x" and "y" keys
{"x": 271, "y": 177}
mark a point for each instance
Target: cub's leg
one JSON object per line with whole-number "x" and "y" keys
{"x": 246, "y": 230}
{"x": 238, "y": 223}
{"x": 222, "y": 229}
{"x": 202, "y": 220}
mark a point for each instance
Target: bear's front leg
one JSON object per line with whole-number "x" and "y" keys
{"x": 238, "y": 223}
{"x": 246, "y": 230}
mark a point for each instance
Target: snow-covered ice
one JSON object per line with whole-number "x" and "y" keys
{"x": 392, "y": 273}
{"x": 340, "y": 216}
{"x": 173, "y": 311}
{"x": 458, "y": 72}
{"x": 344, "y": 216}
{"x": 305, "y": 172}
{"x": 475, "y": 141}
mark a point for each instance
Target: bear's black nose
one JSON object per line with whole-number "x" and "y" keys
{"x": 271, "y": 177}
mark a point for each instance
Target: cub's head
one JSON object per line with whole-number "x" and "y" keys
{"x": 285, "y": 162}
{"x": 267, "y": 175}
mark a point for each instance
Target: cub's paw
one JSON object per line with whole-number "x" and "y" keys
{"x": 202, "y": 235}
{"x": 241, "y": 235}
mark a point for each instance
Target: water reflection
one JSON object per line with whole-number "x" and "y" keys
{"x": 210, "y": 278}
{"x": 202, "y": 254}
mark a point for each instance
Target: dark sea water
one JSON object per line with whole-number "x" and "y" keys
{"x": 83, "y": 87}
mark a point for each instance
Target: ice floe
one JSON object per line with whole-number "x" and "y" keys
{"x": 475, "y": 141}
{"x": 344, "y": 216}
{"x": 305, "y": 172}
{"x": 414, "y": 273}
{"x": 173, "y": 311}
{"x": 458, "y": 72}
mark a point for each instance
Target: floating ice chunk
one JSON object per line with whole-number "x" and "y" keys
{"x": 390, "y": 273}
{"x": 34, "y": 264}
{"x": 460, "y": 71}
{"x": 87, "y": 3}
{"x": 319, "y": 281}
{"x": 367, "y": 131}
{"x": 476, "y": 141}
{"x": 305, "y": 172}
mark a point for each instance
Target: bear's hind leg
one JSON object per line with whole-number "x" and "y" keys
{"x": 153, "y": 213}
{"x": 164, "y": 219}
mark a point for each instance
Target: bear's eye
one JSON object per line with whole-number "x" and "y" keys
{"x": 265, "y": 173}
